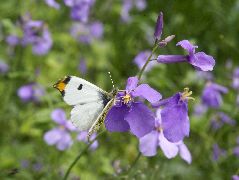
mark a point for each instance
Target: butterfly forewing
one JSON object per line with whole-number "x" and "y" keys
{"x": 91, "y": 103}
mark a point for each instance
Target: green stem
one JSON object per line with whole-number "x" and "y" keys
{"x": 79, "y": 156}
{"x": 148, "y": 60}
{"x": 134, "y": 163}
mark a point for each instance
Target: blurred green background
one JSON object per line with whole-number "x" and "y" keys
{"x": 212, "y": 25}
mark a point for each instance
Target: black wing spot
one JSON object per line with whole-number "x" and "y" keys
{"x": 80, "y": 87}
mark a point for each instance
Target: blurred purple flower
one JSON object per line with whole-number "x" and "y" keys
{"x": 217, "y": 152}
{"x": 4, "y": 68}
{"x": 220, "y": 119}
{"x": 175, "y": 120}
{"x": 235, "y": 79}
{"x": 86, "y": 33}
{"x": 236, "y": 151}
{"x": 130, "y": 115}
{"x": 235, "y": 177}
{"x": 211, "y": 95}
{"x": 30, "y": 92}
{"x": 199, "y": 60}
{"x": 149, "y": 143}
{"x": 204, "y": 75}
{"x": 128, "y": 5}
{"x": 82, "y": 136}
{"x": 82, "y": 67}
{"x": 24, "y": 163}
{"x": 141, "y": 59}
{"x": 12, "y": 40}
{"x": 237, "y": 100}
{"x": 96, "y": 29}
{"x": 60, "y": 136}
{"x": 159, "y": 27}
{"x": 80, "y": 9}
{"x": 200, "y": 109}
{"x": 35, "y": 33}
{"x": 52, "y": 3}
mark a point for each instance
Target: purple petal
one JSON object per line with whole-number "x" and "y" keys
{"x": 235, "y": 177}
{"x": 169, "y": 149}
{"x": 236, "y": 151}
{"x": 202, "y": 61}
{"x": 158, "y": 119}
{"x": 4, "y": 68}
{"x": 148, "y": 144}
{"x": 211, "y": 97}
{"x": 26, "y": 92}
{"x": 217, "y": 87}
{"x": 59, "y": 116}
{"x": 53, "y": 136}
{"x": 185, "y": 44}
{"x": 166, "y": 59}
{"x": 65, "y": 142}
{"x": 140, "y": 119}
{"x": 145, "y": 91}
{"x": 132, "y": 83}
{"x": 141, "y": 58}
{"x": 114, "y": 121}
{"x": 175, "y": 121}
{"x": 52, "y": 3}
{"x": 97, "y": 29}
{"x": 185, "y": 153}
{"x": 159, "y": 26}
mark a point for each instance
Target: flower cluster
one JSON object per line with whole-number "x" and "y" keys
{"x": 170, "y": 124}
{"x": 130, "y": 4}
{"x": 86, "y": 33}
{"x": 35, "y": 33}
{"x": 60, "y": 136}
{"x": 30, "y": 92}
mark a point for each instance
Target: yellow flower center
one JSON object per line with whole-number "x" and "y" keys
{"x": 186, "y": 94}
{"x": 127, "y": 98}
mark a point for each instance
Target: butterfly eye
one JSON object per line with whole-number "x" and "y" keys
{"x": 80, "y": 87}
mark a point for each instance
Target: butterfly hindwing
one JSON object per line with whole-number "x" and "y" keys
{"x": 83, "y": 116}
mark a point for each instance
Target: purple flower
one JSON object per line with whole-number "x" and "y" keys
{"x": 220, "y": 119}
{"x": 175, "y": 120}
{"x": 128, "y": 5}
{"x": 52, "y": 3}
{"x": 86, "y": 33}
{"x": 96, "y": 29}
{"x": 60, "y": 136}
{"x": 236, "y": 151}
{"x": 199, "y": 60}
{"x": 141, "y": 59}
{"x": 149, "y": 143}
{"x": 82, "y": 136}
{"x": 235, "y": 79}
{"x": 200, "y": 109}
{"x": 130, "y": 115}
{"x": 4, "y": 68}
{"x": 80, "y": 9}
{"x": 35, "y": 33}
{"x": 217, "y": 152}
{"x": 235, "y": 177}
{"x": 211, "y": 95}
{"x": 43, "y": 44}
{"x": 12, "y": 40}
{"x": 30, "y": 92}
{"x": 159, "y": 27}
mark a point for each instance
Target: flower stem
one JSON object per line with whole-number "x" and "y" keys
{"x": 148, "y": 60}
{"x": 79, "y": 156}
{"x": 134, "y": 163}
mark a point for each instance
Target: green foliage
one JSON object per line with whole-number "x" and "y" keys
{"x": 213, "y": 25}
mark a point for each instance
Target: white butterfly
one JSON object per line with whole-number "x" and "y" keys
{"x": 91, "y": 103}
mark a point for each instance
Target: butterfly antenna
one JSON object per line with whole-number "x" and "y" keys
{"x": 111, "y": 80}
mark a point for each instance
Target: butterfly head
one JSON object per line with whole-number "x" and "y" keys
{"x": 61, "y": 84}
